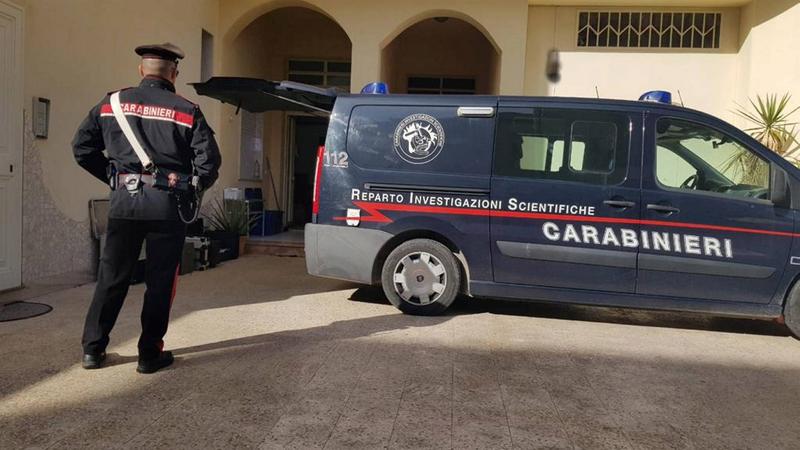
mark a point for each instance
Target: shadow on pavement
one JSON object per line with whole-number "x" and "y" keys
{"x": 342, "y": 329}
{"x": 666, "y": 319}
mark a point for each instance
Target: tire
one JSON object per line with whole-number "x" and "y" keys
{"x": 421, "y": 277}
{"x": 791, "y": 310}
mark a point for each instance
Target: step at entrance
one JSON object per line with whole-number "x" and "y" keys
{"x": 289, "y": 243}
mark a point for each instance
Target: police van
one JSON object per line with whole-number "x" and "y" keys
{"x": 638, "y": 204}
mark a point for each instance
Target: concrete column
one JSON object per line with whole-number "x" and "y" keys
{"x": 366, "y": 62}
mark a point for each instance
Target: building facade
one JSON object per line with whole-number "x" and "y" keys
{"x": 712, "y": 54}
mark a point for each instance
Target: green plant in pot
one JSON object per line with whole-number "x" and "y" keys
{"x": 230, "y": 223}
{"x": 770, "y": 120}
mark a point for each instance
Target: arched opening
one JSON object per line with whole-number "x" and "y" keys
{"x": 277, "y": 150}
{"x": 441, "y": 55}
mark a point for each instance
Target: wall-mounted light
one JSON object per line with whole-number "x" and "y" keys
{"x": 553, "y": 66}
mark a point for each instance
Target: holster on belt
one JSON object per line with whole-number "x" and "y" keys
{"x": 133, "y": 182}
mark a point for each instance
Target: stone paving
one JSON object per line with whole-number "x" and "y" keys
{"x": 269, "y": 357}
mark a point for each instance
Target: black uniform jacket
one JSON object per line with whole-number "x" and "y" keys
{"x": 172, "y": 131}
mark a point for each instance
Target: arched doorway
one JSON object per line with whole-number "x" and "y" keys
{"x": 441, "y": 55}
{"x": 277, "y": 149}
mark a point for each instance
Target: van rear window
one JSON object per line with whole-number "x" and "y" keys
{"x": 419, "y": 139}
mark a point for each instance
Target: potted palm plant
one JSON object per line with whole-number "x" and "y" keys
{"x": 230, "y": 224}
{"x": 771, "y": 124}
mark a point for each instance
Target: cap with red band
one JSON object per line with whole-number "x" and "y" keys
{"x": 166, "y": 51}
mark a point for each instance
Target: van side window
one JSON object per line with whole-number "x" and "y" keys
{"x": 559, "y": 144}
{"x": 694, "y": 157}
{"x": 603, "y": 137}
{"x": 374, "y": 141}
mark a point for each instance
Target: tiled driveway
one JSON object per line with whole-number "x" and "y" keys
{"x": 270, "y": 357}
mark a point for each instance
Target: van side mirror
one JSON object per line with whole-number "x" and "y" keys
{"x": 780, "y": 192}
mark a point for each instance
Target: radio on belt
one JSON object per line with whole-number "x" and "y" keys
{"x": 591, "y": 201}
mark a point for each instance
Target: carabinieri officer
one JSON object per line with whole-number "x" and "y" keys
{"x": 145, "y": 197}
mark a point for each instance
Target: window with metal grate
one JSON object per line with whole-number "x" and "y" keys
{"x": 649, "y": 29}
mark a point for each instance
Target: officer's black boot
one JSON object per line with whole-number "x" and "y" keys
{"x": 93, "y": 360}
{"x": 164, "y": 359}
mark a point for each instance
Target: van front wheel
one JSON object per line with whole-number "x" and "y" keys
{"x": 421, "y": 277}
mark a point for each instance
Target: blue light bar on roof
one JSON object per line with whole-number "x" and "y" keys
{"x": 376, "y": 87}
{"x": 657, "y": 97}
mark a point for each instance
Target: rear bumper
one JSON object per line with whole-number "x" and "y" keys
{"x": 344, "y": 253}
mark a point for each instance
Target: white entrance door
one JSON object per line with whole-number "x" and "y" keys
{"x": 10, "y": 145}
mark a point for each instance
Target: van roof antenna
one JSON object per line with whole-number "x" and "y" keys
{"x": 597, "y": 92}
{"x": 680, "y": 97}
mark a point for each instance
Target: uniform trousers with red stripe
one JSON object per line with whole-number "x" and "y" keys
{"x": 124, "y": 239}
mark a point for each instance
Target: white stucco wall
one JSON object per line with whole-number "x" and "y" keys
{"x": 769, "y": 58}
{"x": 705, "y": 78}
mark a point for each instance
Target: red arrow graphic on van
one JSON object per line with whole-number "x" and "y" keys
{"x": 374, "y": 214}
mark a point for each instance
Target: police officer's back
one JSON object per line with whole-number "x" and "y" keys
{"x": 145, "y": 201}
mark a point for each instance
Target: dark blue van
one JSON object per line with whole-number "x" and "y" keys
{"x": 600, "y": 202}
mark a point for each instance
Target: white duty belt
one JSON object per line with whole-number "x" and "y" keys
{"x": 122, "y": 121}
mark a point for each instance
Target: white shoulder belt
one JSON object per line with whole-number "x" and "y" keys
{"x": 116, "y": 108}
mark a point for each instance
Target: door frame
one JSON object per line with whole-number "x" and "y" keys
{"x": 287, "y": 183}
{"x": 17, "y": 15}
{"x": 287, "y": 163}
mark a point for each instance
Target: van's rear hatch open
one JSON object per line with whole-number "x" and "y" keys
{"x": 257, "y": 95}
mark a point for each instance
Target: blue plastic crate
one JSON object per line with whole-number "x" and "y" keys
{"x": 273, "y": 222}
{"x": 269, "y": 222}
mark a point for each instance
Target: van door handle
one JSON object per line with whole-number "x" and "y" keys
{"x": 621, "y": 204}
{"x": 663, "y": 209}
